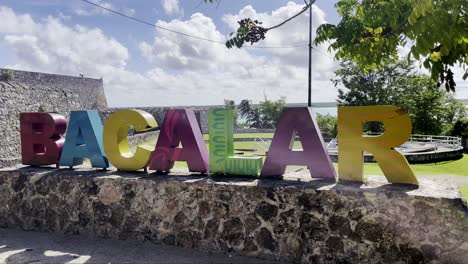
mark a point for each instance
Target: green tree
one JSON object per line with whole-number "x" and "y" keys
{"x": 328, "y": 125}
{"x": 251, "y": 114}
{"x": 374, "y": 87}
{"x": 371, "y": 31}
{"x": 432, "y": 110}
{"x": 460, "y": 128}
{"x": 271, "y": 111}
{"x": 266, "y": 115}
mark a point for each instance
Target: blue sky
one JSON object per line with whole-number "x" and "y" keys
{"x": 144, "y": 66}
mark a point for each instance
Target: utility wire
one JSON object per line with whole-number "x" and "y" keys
{"x": 185, "y": 34}
{"x": 321, "y": 53}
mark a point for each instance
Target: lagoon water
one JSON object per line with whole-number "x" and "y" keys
{"x": 325, "y": 110}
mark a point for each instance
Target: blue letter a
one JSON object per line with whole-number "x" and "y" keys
{"x": 84, "y": 140}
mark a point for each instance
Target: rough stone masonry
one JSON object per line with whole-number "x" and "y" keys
{"x": 22, "y": 91}
{"x": 290, "y": 220}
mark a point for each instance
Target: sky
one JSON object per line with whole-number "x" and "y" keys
{"x": 145, "y": 66}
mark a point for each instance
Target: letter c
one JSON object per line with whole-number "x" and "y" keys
{"x": 116, "y": 139}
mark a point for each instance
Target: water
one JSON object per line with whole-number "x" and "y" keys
{"x": 325, "y": 110}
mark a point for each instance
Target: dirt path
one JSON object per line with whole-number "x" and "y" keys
{"x": 17, "y": 246}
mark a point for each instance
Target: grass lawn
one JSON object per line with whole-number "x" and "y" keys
{"x": 247, "y": 135}
{"x": 458, "y": 167}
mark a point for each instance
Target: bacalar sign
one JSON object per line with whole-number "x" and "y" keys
{"x": 44, "y": 142}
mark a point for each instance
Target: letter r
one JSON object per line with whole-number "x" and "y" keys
{"x": 352, "y": 144}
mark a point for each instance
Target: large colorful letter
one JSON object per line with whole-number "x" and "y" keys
{"x": 116, "y": 139}
{"x": 84, "y": 140}
{"x": 314, "y": 154}
{"x": 41, "y": 138}
{"x": 180, "y": 126}
{"x": 351, "y": 142}
{"x": 222, "y": 159}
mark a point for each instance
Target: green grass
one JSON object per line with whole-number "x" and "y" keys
{"x": 457, "y": 167}
{"x": 246, "y": 135}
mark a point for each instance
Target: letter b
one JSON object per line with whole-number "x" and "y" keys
{"x": 41, "y": 138}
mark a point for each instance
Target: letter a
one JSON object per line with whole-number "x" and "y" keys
{"x": 352, "y": 144}
{"x": 41, "y": 138}
{"x": 180, "y": 126}
{"x": 314, "y": 155}
{"x": 84, "y": 140}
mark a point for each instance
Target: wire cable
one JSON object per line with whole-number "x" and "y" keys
{"x": 321, "y": 53}
{"x": 185, "y": 34}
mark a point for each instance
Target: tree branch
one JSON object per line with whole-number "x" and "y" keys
{"x": 309, "y": 5}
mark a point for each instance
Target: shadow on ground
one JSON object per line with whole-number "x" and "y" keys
{"x": 17, "y": 246}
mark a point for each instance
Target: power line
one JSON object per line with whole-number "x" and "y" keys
{"x": 185, "y": 34}
{"x": 321, "y": 53}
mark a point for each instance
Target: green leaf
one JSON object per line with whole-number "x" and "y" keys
{"x": 427, "y": 64}
{"x": 378, "y": 30}
{"x": 435, "y": 56}
{"x": 370, "y": 32}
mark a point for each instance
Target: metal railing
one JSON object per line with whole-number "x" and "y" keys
{"x": 446, "y": 141}
{"x": 453, "y": 142}
{"x": 261, "y": 143}
{"x": 436, "y": 141}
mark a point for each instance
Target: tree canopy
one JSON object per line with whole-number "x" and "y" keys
{"x": 371, "y": 32}
{"x": 432, "y": 110}
{"x": 328, "y": 125}
{"x": 266, "y": 115}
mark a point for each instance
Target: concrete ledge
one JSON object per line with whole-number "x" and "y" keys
{"x": 301, "y": 221}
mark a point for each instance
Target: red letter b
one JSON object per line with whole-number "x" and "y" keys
{"x": 41, "y": 138}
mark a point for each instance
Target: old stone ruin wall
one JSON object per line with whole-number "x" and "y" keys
{"x": 201, "y": 112}
{"x": 22, "y": 91}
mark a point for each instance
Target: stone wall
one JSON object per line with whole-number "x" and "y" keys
{"x": 201, "y": 113}
{"x": 290, "y": 220}
{"x": 22, "y": 91}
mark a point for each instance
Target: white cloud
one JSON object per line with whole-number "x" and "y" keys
{"x": 183, "y": 71}
{"x": 65, "y": 48}
{"x": 63, "y": 17}
{"x": 51, "y": 46}
{"x": 84, "y": 9}
{"x": 88, "y": 10}
{"x": 12, "y": 23}
{"x": 191, "y": 66}
{"x": 171, "y": 7}
{"x": 129, "y": 11}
